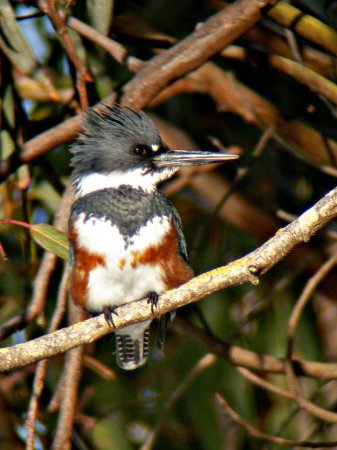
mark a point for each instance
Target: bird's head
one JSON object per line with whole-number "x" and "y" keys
{"x": 119, "y": 146}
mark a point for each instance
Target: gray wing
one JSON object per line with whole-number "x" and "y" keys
{"x": 164, "y": 206}
{"x": 182, "y": 242}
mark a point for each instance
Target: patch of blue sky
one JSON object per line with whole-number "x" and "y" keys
{"x": 37, "y": 39}
{"x": 40, "y": 428}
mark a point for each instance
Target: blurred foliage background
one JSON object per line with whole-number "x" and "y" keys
{"x": 272, "y": 97}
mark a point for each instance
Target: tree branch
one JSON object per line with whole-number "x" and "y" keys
{"x": 242, "y": 357}
{"x": 244, "y": 270}
{"x": 211, "y": 37}
{"x": 207, "y": 40}
{"x": 224, "y": 406}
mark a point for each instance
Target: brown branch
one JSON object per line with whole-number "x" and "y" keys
{"x": 315, "y": 82}
{"x": 71, "y": 377}
{"x": 245, "y": 270}
{"x": 101, "y": 369}
{"x": 307, "y": 292}
{"x": 277, "y": 45}
{"x": 207, "y": 40}
{"x": 230, "y": 95}
{"x": 294, "y": 69}
{"x": 217, "y": 32}
{"x": 204, "y": 363}
{"x": 50, "y": 8}
{"x": 39, "y": 145}
{"x": 239, "y": 356}
{"x": 213, "y": 83}
{"x": 307, "y": 405}
{"x": 291, "y": 330}
{"x": 118, "y": 52}
{"x": 73, "y": 365}
{"x": 306, "y": 26}
{"x": 38, "y": 385}
{"x": 41, "y": 369}
{"x": 224, "y": 406}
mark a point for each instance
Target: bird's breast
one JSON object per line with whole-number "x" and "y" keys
{"x": 111, "y": 268}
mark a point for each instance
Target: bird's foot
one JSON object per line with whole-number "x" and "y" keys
{"x": 152, "y": 298}
{"x": 108, "y": 312}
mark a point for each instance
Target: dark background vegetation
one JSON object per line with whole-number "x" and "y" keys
{"x": 284, "y": 127}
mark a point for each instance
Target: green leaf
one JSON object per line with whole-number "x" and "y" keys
{"x": 51, "y": 239}
{"x": 100, "y": 13}
{"x": 14, "y": 44}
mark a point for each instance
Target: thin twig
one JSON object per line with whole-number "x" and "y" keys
{"x": 307, "y": 405}
{"x": 242, "y": 174}
{"x": 118, "y": 52}
{"x": 204, "y": 363}
{"x": 73, "y": 366}
{"x": 310, "y": 286}
{"x": 98, "y": 367}
{"x": 298, "y": 309}
{"x": 41, "y": 369}
{"x": 50, "y": 8}
{"x": 240, "y": 356}
{"x": 303, "y": 24}
{"x": 72, "y": 374}
{"x": 224, "y": 406}
{"x": 293, "y": 44}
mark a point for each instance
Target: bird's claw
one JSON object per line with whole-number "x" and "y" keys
{"x": 108, "y": 312}
{"x": 153, "y": 299}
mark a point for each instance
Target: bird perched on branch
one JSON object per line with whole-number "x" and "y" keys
{"x": 126, "y": 239}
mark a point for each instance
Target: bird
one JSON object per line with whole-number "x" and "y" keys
{"x": 126, "y": 240}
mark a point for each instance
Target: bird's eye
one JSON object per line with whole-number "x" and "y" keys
{"x": 140, "y": 150}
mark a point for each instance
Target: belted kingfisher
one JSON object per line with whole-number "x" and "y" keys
{"x": 126, "y": 239}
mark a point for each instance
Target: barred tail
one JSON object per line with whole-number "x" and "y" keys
{"x": 132, "y": 346}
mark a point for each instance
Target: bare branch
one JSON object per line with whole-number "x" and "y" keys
{"x": 71, "y": 376}
{"x": 305, "y": 296}
{"x": 40, "y": 373}
{"x": 204, "y": 363}
{"x": 304, "y": 24}
{"x": 207, "y": 40}
{"x": 245, "y": 270}
{"x": 82, "y": 75}
{"x": 264, "y": 436}
{"x": 242, "y": 357}
{"x": 307, "y": 405}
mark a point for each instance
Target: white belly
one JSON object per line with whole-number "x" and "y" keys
{"x": 120, "y": 281}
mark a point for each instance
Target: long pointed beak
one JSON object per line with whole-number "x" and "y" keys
{"x": 179, "y": 158}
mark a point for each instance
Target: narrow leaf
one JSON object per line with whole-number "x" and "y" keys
{"x": 100, "y": 13}
{"x": 14, "y": 43}
{"x": 51, "y": 239}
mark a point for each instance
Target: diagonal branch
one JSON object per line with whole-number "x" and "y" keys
{"x": 207, "y": 40}
{"x": 214, "y": 35}
{"x": 244, "y": 270}
{"x": 228, "y": 410}
{"x": 82, "y": 75}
